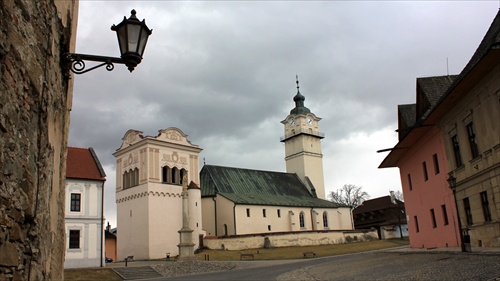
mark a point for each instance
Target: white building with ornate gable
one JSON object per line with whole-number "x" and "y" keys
{"x": 149, "y": 177}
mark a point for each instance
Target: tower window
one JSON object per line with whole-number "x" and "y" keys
{"x": 264, "y": 213}
{"x": 248, "y": 212}
{"x": 456, "y": 151}
{"x": 486, "y": 206}
{"x": 472, "y": 140}
{"x": 436, "y": 163}
{"x": 426, "y": 176}
{"x": 445, "y": 214}
{"x": 279, "y": 213}
{"x": 416, "y": 224}
{"x": 433, "y": 217}
{"x": 468, "y": 213}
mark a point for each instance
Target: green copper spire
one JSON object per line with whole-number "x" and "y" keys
{"x": 299, "y": 102}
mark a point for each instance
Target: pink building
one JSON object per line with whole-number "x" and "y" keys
{"x": 421, "y": 158}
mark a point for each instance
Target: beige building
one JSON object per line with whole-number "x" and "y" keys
{"x": 239, "y": 201}
{"x": 470, "y": 125}
{"x": 149, "y": 177}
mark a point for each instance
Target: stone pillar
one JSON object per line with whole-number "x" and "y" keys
{"x": 186, "y": 245}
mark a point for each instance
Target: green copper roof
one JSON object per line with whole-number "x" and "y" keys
{"x": 255, "y": 187}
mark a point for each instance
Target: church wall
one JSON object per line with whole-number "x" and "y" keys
{"x": 208, "y": 215}
{"x": 225, "y": 217}
{"x": 132, "y": 225}
{"x": 307, "y": 238}
{"x": 257, "y": 223}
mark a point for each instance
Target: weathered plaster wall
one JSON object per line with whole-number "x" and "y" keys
{"x": 34, "y": 119}
{"x": 288, "y": 239}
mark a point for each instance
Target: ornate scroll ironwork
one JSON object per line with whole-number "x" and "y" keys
{"x": 77, "y": 62}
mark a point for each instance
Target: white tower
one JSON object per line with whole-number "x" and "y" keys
{"x": 150, "y": 174}
{"x": 302, "y": 140}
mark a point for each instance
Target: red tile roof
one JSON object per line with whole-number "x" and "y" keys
{"x": 83, "y": 163}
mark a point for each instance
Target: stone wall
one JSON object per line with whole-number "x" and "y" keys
{"x": 35, "y": 99}
{"x": 290, "y": 239}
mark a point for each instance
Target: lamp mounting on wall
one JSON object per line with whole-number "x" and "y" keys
{"x": 132, "y": 38}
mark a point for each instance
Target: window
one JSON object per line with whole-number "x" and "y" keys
{"x": 74, "y": 239}
{"x": 433, "y": 217}
{"x": 410, "y": 185}
{"x": 485, "y": 205}
{"x": 416, "y": 223}
{"x": 325, "y": 219}
{"x": 75, "y": 202}
{"x": 166, "y": 174}
{"x": 445, "y": 214}
{"x": 472, "y": 140}
{"x": 264, "y": 213}
{"x": 426, "y": 176}
{"x": 248, "y": 212}
{"x": 301, "y": 220}
{"x": 269, "y": 227}
{"x": 131, "y": 178}
{"x": 468, "y": 213}
{"x": 436, "y": 163}
{"x": 456, "y": 151}
{"x": 279, "y": 213}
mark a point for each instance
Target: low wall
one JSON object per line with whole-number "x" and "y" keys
{"x": 289, "y": 239}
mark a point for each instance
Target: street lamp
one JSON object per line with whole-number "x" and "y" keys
{"x": 132, "y": 38}
{"x": 452, "y": 182}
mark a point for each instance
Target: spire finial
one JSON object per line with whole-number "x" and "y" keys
{"x": 297, "y": 80}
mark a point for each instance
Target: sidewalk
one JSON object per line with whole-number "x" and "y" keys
{"x": 474, "y": 250}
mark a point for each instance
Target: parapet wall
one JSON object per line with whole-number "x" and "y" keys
{"x": 291, "y": 239}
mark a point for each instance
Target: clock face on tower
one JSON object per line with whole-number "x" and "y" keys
{"x": 309, "y": 121}
{"x": 292, "y": 121}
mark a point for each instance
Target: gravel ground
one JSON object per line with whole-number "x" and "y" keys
{"x": 181, "y": 268}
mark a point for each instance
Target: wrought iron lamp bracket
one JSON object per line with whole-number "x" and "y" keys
{"x": 77, "y": 62}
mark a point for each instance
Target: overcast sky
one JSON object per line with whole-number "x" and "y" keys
{"x": 224, "y": 73}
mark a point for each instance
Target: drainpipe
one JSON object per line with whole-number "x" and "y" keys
{"x": 312, "y": 218}
{"x": 234, "y": 217}
{"x": 102, "y": 222}
{"x": 215, "y": 211}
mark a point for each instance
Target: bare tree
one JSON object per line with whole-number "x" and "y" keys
{"x": 398, "y": 195}
{"x": 349, "y": 194}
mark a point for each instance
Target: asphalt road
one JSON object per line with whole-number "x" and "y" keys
{"x": 371, "y": 266}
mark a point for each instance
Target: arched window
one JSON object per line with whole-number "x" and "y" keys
{"x": 136, "y": 176}
{"x": 325, "y": 219}
{"x": 175, "y": 175}
{"x": 301, "y": 220}
{"x": 125, "y": 180}
{"x": 225, "y": 229}
{"x": 183, "y": 172}
{"x": 166, "y": 174}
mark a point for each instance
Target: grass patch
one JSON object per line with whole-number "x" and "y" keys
{"x": 80, "y": 274}
{"x": 283, "y": 253}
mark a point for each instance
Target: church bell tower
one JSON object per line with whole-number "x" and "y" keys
{"x": 302, "y": 140}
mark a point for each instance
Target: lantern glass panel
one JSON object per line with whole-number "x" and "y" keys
{"x": 122, "y": 38}
{"x": 143, "y": 40}
{"x": 133, "y": 37}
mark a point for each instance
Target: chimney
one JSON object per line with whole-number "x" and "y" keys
{"x": 393, "y": 198}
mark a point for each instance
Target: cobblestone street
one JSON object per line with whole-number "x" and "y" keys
{"x": 403, "y": 266}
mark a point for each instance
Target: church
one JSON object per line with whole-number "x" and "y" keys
{"x": 223, "y": 201}
{"x": 238, "y": 201}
